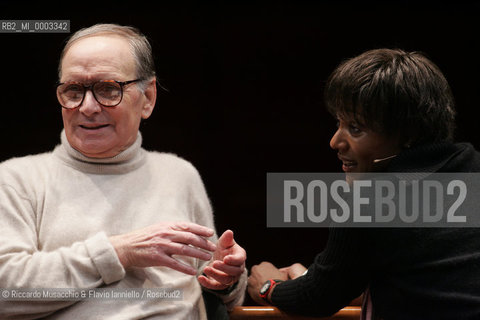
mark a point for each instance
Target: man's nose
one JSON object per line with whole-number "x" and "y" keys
{"x": 90, "y": 105}
{"x": 338, "y": 141}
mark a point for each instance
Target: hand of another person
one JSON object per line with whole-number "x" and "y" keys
{"x": 227, "y": 265}
{"x": 259, "y": 274}
{"x": 294, "y": 271}
{"x": 155, "y": 245}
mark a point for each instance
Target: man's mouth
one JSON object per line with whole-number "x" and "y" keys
{"x": 93, "y": 126}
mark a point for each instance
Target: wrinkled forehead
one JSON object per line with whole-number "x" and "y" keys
{"x": 99, "y": 53}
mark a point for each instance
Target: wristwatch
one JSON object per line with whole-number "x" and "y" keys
{"x": 267, "y": 287}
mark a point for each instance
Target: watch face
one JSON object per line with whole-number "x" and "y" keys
{"x": 265, "y": 287}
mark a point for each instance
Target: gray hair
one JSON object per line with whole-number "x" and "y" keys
{"x": 140, "y": 47}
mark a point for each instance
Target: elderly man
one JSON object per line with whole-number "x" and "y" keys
{"x": 100, "y": 211}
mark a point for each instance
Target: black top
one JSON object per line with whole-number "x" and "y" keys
{"x": 413, "y": 273}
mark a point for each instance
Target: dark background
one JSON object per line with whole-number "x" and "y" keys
{"x": 245, "y": 87}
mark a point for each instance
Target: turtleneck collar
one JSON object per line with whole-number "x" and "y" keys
{"x": 128, "y": 160}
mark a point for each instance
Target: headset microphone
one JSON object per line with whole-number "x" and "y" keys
{"x": 383, "y": 159}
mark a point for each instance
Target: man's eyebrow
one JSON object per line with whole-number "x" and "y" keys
{"x": 87, "y": 79}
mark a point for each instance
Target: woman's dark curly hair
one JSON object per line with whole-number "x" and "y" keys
{"x": 396, "y": 93}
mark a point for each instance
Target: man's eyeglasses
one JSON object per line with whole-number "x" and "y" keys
{"x": 108, "y": 93}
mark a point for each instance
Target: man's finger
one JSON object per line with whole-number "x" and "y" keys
{"x": 210, "y": 283}
{"x": 235, "y": 259}
{"x": 194, "y": 240}
{"x": 228, "y": 269}
{"x": 218, "y": 275}
{"x": 226, "y": 240}
{"x": 179, "y": 266}
{"x": 186, "y": 250}
{"x": 193, "y": 228}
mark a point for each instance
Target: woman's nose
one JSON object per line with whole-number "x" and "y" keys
{"x": 338, "y": 141}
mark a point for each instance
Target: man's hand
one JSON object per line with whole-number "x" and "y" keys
{"x": 155, "y": 245}
{"x": 259, "y": 274}
{"x": 227, "y": 265}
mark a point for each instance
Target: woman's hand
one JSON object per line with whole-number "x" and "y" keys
{"x": 259, "y": 274}
{"x": 294, "y": 271}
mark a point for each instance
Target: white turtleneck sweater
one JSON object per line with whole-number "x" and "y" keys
{"x": 57, "y": 211}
